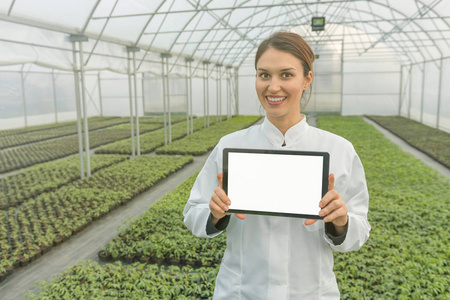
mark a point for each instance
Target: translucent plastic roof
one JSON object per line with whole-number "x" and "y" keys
{"x": 227, "y": 31}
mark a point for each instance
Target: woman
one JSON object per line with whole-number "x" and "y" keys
{"x": 271, "y": 257}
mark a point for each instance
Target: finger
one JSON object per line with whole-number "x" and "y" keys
{"x": 219, "y": 202}
{"x": 331, "y": 206}
{"x": 331, "y": 182}
{"x": 216, "y": 210}
{"x": 341, "y": 212}
{"x": 310, "y": 221}
{"x": 222, "y": 195}
{"x": 220, "y": 179}
{"x": 330, "y": 196}
{"x": 240, "y": 216}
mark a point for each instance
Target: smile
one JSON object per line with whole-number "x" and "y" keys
{"x": 275, "y": 99}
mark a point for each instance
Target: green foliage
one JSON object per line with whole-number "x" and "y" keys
{"x": 55, "y": 216}
{"x": 152, "y": 140}
{"x": 160, "y": 233}
{"x": 432, "y": 141}
{"x": 407, "y": 254}
{"x": 45, "y": 177}
{"x": 89, "y": 280}
{"x": 16, "y": 158}
{"x": 202, "y": 141}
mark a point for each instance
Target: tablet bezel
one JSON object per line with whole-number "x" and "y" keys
{"x": 325, "y": 173}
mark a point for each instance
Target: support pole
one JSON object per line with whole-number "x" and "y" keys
{"x": 166, "y": 98}
{"x": 206, "y": 92}
{"x": 130, "y": 95}
{"x": 189, "y": 119}
{"x": 138, "y": 144}
{"x": 23, "y": 97}
{"x": 400, "y": 96}
{"x": 423, "y": 92}
{"x": 100, "y": 94}
{"x": 439, "y": 94}
{"x": 228, "y": 91}
{"x": 218, "y": 92}
{"x": 78, "y": 107}
{"x": 54, "y": 95}
{"x": 410, "y": 90}
{"x": 143, "y": 94}
{"x": 85, "y": 117}
{"x": 236, "y": 90}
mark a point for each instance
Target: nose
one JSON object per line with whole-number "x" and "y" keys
{"x": 274, "y": 85}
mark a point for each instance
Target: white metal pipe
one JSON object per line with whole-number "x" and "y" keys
{"x": 78, "y": 107}
{"x": 85, "y": 116}
{"x": 217, "y": 93}
{"x": 422, "y": 95}
{"x": 187, "y": 100}
{"x": 400, "y": 96}
{"x": 410, "y": 90}
{"x": 207, "y": 94}
{"x": 130, "y": 95}
{"x": 55, "y": 105}
{"x": 164, "y": 100}
{"x": 24, "y": 97}
{"x": 190, "y": 97}
{"x": 100, "y": 94}
{"x": 236, "y": 90}
{"x": 138, "y": 145}
{"x": 204, "y": 96}
{"x": 439, "y": 94}
{"x": 168, "y": 100}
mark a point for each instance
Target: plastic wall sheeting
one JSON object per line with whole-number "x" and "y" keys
{"x": 371, "y": 87}
{"x": 422, "y": 99}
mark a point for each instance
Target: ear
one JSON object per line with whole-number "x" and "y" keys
{"x": 308, "y": 80}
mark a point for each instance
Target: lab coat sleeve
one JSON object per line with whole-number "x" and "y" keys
{"x": 196, "y": 212}
{"x": 356, "y": 198}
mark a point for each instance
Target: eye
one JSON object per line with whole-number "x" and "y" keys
{"x": 264, "y": 75}
{"x": 286, "y": 75}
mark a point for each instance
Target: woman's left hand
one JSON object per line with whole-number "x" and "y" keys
{"x": 333, "y": 208}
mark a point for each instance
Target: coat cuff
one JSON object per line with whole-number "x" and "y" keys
{"x": 220, "y": 226}
{"x": 331, "y": 233}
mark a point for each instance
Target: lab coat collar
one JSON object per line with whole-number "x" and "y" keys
{"x": 292, "y": 134}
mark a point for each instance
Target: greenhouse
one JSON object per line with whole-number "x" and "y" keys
{"x": 110, "y": 108}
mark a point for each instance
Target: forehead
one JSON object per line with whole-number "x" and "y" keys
{"x": 276, "y": 59}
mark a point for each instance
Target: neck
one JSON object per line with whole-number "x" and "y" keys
{"x": 284, "y": 124}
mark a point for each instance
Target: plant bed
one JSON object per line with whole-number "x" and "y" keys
{"x": 160, "y": 235}
{"x": 90, "y": 280}
{"x": 406, "y": 256}
{"x": 432, "y": 141}
{"x": 46, "y": 177}
{"x": 149, "y": 141}
{"x": 204, "y": 140}
{"x": 53, "y": 217}
{"x": 17, "y": 158}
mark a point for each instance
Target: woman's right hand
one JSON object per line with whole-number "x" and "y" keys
{"x": 219, "y": 203}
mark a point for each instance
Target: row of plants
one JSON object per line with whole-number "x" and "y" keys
{"x": 202, "y": 141}
{"x": 150, "y": 141}
{"x": 17, "y": 158}
{"x": 33, "y": 228}
{"x": 51, "y": 133}
{"x": 407, "y": 254}
{"x": 33, "y": 181}
{"x": 90, "y": 280}
{"x": 159, "y": 236}
{"x": 46, "y": 126}
{"x": 432, "y": 141}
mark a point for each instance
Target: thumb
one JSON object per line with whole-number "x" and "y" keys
{"x": 220, "y": 179}
{"x": 310, "y": 221}
{"x": 331, "y": 182}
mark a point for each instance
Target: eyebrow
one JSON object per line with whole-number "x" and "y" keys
{"x": 282, "y": 70}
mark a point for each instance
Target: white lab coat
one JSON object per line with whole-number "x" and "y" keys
{"x": 277, "y": 258}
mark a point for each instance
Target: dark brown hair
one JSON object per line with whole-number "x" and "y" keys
{"x": 291, "y": 43}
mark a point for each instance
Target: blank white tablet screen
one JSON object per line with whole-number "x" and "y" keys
{"x": 280, "y": 183}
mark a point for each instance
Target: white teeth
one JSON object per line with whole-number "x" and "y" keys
{"x": 275, "y": 99}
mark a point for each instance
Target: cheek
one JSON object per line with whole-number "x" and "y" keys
{"x": 260, "y": 86}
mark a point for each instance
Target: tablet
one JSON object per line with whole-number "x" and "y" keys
{"x": 275, "y": 182}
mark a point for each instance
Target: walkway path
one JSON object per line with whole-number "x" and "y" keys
{"x": 407, "y": 148}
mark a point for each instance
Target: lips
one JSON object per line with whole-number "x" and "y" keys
{"x": 275, "y": 99}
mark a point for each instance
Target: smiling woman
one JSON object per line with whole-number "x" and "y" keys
{"x": 270, "y": 257}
